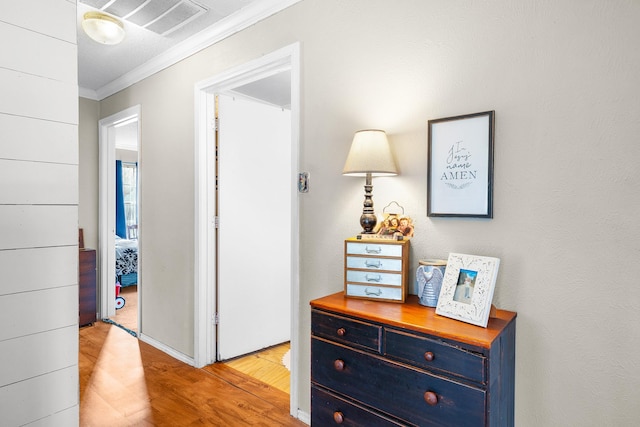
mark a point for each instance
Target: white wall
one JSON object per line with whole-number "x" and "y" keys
{"x": 38, "y": 213}
{"x": 562, "y": 78}
{"x": 127, "y": 156}
{"x": 89, "y": 115}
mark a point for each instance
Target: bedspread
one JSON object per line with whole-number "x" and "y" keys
{"x": 126, "y": 256}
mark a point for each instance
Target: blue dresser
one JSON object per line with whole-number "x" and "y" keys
{"x": 379, "y": 363}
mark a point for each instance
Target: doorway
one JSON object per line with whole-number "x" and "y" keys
{"x": 114, "y": 129}
{"x": 283, "y": 60}
{"x": 126, "y": 243}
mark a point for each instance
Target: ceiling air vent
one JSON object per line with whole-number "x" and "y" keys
{"x": 123, "y": 8}
{"x": 181, "y": 14}
{"x": 98, "y": 4}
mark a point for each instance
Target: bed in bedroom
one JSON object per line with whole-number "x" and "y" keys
{"x": 126, "y": 261}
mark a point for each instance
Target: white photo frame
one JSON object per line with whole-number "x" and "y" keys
{"x": 467, "y": 288}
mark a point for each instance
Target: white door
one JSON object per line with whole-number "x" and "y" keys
{"x": 254, "y": 235}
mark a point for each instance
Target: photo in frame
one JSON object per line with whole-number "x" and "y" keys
{"x": 460, "y": 166}
{"x": 467, "y": 288}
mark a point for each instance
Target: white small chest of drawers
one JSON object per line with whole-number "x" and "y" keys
{"x": 376, "y": 269}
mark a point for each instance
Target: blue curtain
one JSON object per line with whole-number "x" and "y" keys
{"x": 121, "y": 221}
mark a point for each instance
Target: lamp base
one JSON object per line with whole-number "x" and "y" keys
{"x": 368, "y": 222}
{"x": 368, "y": 219}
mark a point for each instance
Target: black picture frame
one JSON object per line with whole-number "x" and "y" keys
{"x": 460, "y": 166}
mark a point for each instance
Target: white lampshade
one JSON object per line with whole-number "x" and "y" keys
{"x": 103, "y": 28}
{"x": 370, "y": 153}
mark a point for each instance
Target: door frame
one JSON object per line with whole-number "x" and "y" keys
{"x": 287, "y": 58}
{"x": 106, "y": 209}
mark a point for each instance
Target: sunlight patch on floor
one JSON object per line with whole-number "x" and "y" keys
{"x": 116, "y": 397}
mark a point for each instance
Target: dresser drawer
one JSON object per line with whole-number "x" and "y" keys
{"x": 373, "y": 249}
{"x": 374, "y": 277}
{"x": 327, "y": 409}
{"x": 346, "y": 331}
{"x": 395, "y": 388}
{"x": 374, "y": 292}
{"x": 376, "y": 269}
{"x": 435, "y": 355}
{"x": 376, "y": 264}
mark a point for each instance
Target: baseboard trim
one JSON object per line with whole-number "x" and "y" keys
{"x": 305, "y": 417}
{"x": 170, "y": 351}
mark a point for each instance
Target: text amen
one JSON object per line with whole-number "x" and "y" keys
{"x": 458, "y": 175}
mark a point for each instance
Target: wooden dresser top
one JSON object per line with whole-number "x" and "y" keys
{"x": 413, "y": 316}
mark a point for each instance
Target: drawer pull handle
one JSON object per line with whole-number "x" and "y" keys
{"x": 338, "y": 365}
{"x": 377, "y": 278}
{"x": 429, "y": 356}
{"x": 431, "y": 398}
{"x": 338, "y": 417}
{"x": 376, "y": 293}
{"x": 373, "y": 250}
{"x": 370, "y": 264}
{"x": 341, "y": 332}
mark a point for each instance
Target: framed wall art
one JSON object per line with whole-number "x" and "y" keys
{"x": 467, "y": 288}
{"x": 460, "y": 166}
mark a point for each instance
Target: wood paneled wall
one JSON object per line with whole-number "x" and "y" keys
{"x": 38, "y": 213}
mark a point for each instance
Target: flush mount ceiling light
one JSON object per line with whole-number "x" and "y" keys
{"x": 103, "y": 28}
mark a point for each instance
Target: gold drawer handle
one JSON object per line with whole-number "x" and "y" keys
{"x": 341, "y": 332}
{"x": 373, "y": 251}
{"x": 431, "y": 398}
{"x": 338, "y": 365}
{"x": 338, "y": 417}
{"x": 369, "y": 264}
{"x": 429, "y": 356}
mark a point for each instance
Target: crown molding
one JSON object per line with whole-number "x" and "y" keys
{"x": 87, "y": 93}
{"x": 250, "y": 15}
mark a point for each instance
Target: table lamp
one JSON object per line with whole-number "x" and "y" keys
{"x": 370, "y": 155}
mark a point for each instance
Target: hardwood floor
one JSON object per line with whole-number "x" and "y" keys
{"x": 126, "y": 382}
{"x": 266, "y": 366}
{"x": 127, "y": 316}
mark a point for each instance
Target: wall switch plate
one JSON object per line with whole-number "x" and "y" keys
{"x": 303, "y": 182}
